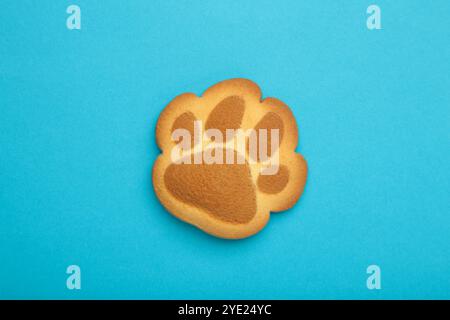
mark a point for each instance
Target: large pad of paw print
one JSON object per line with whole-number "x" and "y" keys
{"x": 226, "y": 199}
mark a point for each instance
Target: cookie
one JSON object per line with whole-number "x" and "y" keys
{"x": 228, "y": 159}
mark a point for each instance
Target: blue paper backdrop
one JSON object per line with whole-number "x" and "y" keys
{"x": 78, "y": 110}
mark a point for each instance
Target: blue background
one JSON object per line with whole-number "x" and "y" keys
{"x": 78, "y": 114}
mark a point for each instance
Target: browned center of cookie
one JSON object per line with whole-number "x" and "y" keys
{"x": 186, "y": 121}
{"x": 225, "y": 191}
{"x": 226, "y": 115}
{"x": 273, "y": 184}
{"x": 270, "y": 121}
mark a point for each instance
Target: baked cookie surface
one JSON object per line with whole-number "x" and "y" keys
{"x": 232, "y": 199}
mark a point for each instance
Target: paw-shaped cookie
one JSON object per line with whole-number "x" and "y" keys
{"x": 234, "y": 198}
